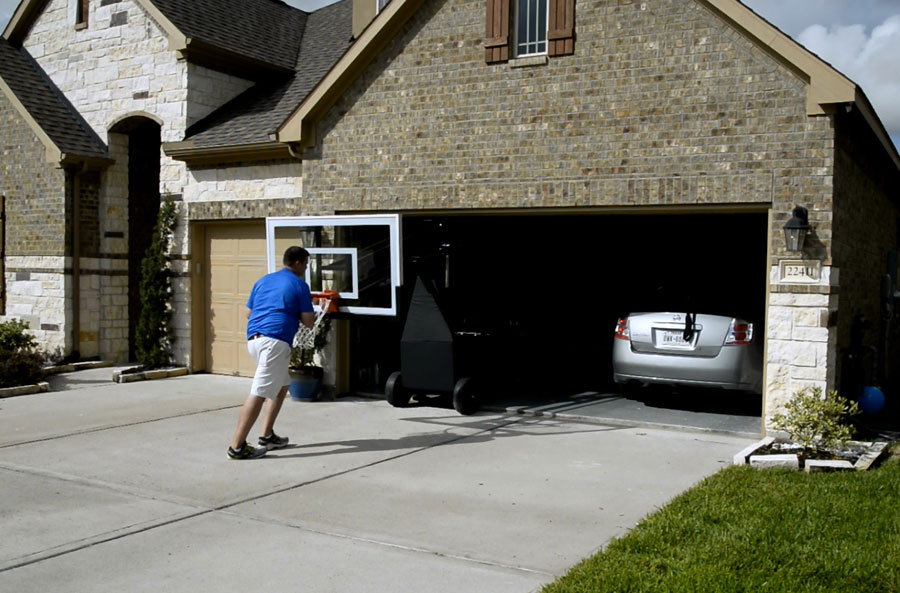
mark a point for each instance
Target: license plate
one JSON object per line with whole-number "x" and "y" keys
{"x": 673, "y": 339}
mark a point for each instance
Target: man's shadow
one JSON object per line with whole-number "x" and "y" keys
{"x": 486, "y": 431}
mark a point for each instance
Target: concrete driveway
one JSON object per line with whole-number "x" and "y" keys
{"x": 110, "y": 487}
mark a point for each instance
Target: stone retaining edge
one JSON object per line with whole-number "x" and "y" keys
{"x": 130, "y": 377}
{"x": 24, "y": 389}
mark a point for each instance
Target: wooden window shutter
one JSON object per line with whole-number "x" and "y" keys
{"x": 561, "y": 31}
{"x": 496, "y": 36}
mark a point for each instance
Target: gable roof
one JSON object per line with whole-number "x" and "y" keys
{"x": 65, "y": 135}
{"x": 267, "y": 32}
{"x": 286, "y": 50}
{"x": 826, "y": 86}
{"x": 245, "y": 126}
{"x": 299, "y": 128}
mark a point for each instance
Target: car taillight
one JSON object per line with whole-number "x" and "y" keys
{"x": 739, "y": 334}
{"x": 622, "y": 332}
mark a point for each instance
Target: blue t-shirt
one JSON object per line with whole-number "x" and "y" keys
{"x": 275, "y": 304}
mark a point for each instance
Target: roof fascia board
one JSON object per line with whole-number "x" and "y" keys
{"x": 21, "y": 20}
{"x": 52, "y": 153}
{"x": 85, "y": 163}
{"x": 203, "y": 53}
{"x": 28, "y": 11}
{"x": 826, "y": 85}
{"x": 186, "y": 151}
{"x": 299, "y": 127}
{"x": 868, "y": 112}
{"x": 177, "y": 40}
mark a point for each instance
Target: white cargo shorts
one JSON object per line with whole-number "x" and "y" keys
{"x": 272, "y": 358}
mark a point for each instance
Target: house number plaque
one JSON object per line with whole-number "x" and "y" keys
{"x": 795, "y": 271}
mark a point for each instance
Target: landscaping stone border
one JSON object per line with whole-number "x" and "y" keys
{"x": 131, "y": 375}
{"x": 76, "y": 366}
{"x": 24, "y": 389}
{"x": 871, "y": 452}
{"x": 44, "y": 386}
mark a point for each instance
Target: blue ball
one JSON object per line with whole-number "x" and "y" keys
{"x": 872, "y": 400}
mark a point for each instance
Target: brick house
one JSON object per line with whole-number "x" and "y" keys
{"x": 565, "y": 164}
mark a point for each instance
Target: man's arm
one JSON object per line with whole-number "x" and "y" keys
{"x": 308, "y": 319}
{"x": 247, "y": 312}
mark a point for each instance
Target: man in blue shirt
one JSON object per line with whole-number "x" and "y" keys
{"x": 278, "y": 304}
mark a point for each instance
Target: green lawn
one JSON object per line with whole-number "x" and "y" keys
{"x": 749, "y": 530}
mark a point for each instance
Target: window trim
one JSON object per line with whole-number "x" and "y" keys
{"x": 82, "y": 12}
{"x": 499, "y": 45}
{"x": 546, "y": 31}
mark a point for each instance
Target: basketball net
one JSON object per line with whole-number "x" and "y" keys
{"x": 324, "y": 302}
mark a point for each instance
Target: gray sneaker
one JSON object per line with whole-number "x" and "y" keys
{"x": 273, "y": 441}
{"x": 247, "y": 451}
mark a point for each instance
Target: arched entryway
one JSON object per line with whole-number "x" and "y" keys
{"x": 144, "y": 138}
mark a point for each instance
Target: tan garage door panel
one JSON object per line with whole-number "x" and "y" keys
{"x": 237, "y": 259}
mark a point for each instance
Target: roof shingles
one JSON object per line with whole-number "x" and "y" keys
{"x": 256, "y": 114}
{"x": 266, "y": 30}
{"x": 46, "y": 104}
{"x": 269, "y": 31}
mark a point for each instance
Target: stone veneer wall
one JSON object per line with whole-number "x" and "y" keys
{"x": 118, "y": 66}
{"x": 35, "y": 265}
{"x": 662, "y": 104}
{"x": 245, "y": 181}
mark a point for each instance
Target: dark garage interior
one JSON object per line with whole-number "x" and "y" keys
{"x": 534, "y": 299}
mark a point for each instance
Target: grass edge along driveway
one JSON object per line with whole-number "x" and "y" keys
{"x": 744, "y": 529}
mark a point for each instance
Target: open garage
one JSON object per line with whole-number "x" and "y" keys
{"x": 543, "y": 292}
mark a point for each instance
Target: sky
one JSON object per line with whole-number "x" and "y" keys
{"x": 861, "y": 38}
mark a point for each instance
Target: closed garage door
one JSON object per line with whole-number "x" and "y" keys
{"x": 236, "y": 256}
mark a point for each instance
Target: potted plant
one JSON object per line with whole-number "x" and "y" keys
{"x": 306, "y": 375}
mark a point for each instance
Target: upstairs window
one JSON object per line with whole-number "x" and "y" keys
{"x": 81, "y": 13}
{"x": 531, "y": 27}
{"x": 539, "y": 27}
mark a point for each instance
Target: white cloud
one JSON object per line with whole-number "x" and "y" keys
{"x": 869, "y": 59}
{"x": 793, "y": 16}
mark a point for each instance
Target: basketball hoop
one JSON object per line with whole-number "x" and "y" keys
{"x": 324, "y": 302}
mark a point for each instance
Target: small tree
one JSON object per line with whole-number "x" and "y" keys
{"x": 21, "y": 362}
{"x": 817, "y": 422}
{"x": 154, "y": 335}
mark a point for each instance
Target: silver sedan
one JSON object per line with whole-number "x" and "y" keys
{"x": 681, "y": 349}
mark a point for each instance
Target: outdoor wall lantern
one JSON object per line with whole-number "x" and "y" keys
{"x": 796, "y": 228}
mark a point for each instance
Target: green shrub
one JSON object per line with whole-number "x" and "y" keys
{"x": 154, "y": 335}
{"x": 21, "y": 362}
{"x": 817, "y": 422}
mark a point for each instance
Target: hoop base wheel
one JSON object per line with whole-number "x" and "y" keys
{"x": 394, "y": 392}
{"x": 464, "y": 400}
